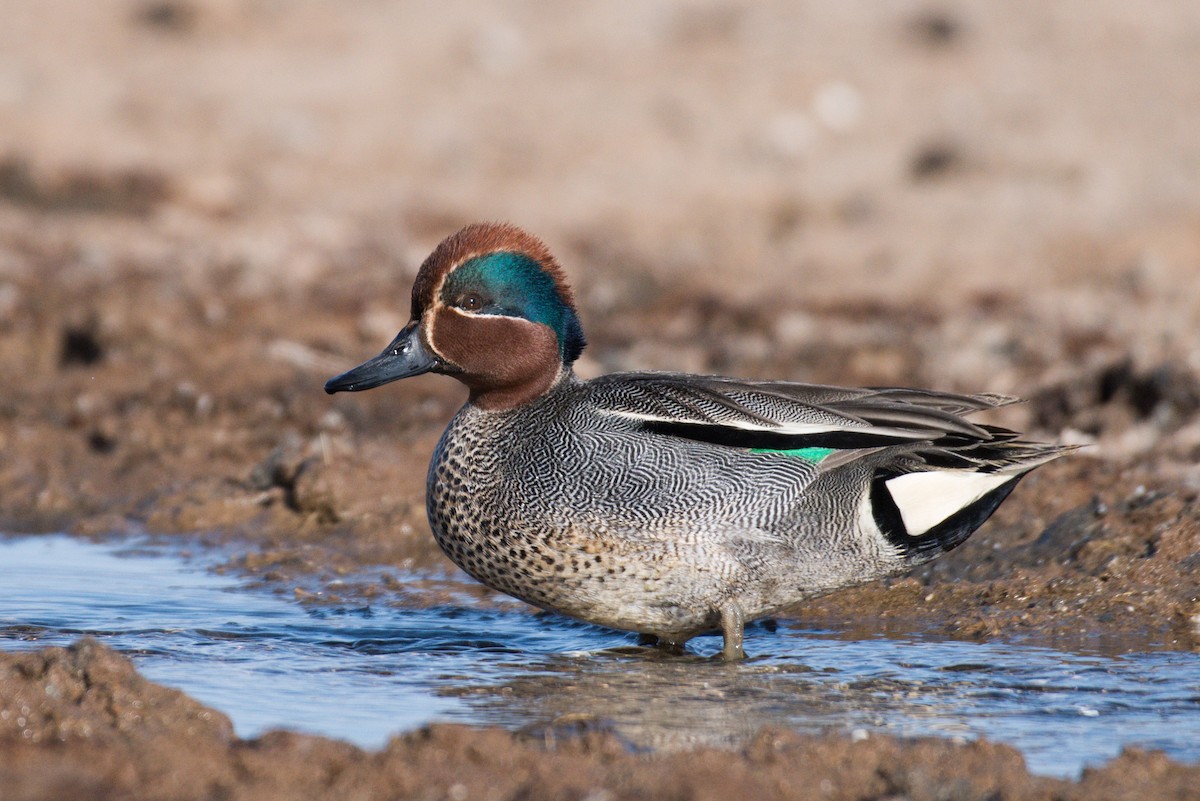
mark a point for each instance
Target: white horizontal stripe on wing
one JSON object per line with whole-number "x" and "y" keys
{"x": 785, "y": 429}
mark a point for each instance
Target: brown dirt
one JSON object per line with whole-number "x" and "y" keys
{"x": 81, "y": 723}
{"x": 206, "y": 209}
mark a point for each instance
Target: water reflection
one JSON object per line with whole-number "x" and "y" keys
{"x": 365, "y": 672}
{"x": 1060, "y": 709}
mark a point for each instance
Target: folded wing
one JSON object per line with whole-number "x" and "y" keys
{"x": 791, "y": 416}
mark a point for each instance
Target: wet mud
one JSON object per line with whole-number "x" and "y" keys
{"x": 81, "y": 723}
{"x": 186, "y": 256}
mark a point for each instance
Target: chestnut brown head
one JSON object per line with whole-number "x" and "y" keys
{"x": 491, "y": 307}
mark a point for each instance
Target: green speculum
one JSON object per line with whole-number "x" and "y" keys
{"x": 813, "y": 455}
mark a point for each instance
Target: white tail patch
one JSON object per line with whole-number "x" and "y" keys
{"x": 926, "y": 499}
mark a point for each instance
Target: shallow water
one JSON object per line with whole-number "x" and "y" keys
{"x": 364, "y": 673}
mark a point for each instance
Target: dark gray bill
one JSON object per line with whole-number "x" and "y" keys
{"x": 405, "y": 357}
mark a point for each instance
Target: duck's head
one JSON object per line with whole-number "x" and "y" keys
{"x": 491, "y": 307}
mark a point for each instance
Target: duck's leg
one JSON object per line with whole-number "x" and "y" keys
{"x": 664, "y": 644}
{"x": 669, "y": 646}
{"x": 733, "y": 626}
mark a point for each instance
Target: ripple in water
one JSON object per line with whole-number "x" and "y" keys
{"x": 363, "y": 673}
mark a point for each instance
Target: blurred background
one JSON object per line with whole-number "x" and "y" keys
{"x": 806, "y": 148}
{"x": 207, "y": 207}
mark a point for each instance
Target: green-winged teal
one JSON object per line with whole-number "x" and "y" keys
{"x": 664, "y": 503}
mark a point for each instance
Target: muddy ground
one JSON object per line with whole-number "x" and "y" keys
{"x": 206, "y": 209}
{"x": 91, "y": 727}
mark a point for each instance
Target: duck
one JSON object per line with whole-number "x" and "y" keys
{"x": 664, "y": 503}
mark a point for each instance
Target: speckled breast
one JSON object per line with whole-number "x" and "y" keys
{"x": 479, "y": 523}
{"x": 510, "y": 524}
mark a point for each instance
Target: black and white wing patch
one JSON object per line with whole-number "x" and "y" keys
{"x": 930, "y": 512}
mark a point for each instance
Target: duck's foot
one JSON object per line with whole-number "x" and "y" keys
{"x": 667, "y": 646}
{"x": 733, "y": 627}
{"x": 672, "y": 647}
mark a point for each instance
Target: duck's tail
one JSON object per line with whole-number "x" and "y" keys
{"x": 928, "y": 501}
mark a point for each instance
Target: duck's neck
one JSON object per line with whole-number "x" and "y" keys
{"x": 511, "y": 396}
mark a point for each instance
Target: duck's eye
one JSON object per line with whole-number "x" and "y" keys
{"x": 472, "y": 301}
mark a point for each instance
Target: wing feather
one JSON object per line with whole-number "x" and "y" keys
{"x": 784, "y": 415}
